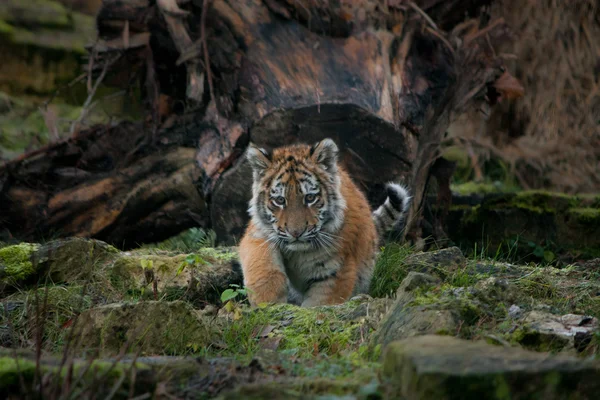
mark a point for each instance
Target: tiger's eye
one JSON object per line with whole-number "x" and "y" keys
{"x": 309, "y": 198}
{"x": 279, "y": 200}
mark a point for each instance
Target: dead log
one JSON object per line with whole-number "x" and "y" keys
{"x": 381, "y": 78}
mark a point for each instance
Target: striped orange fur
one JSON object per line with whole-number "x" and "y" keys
{"x": 312, "y": 238}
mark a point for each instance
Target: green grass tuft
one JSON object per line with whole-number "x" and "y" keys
{"x": 389, "y": 270}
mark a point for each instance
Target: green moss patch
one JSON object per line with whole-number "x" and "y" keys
{"x": 16, "y": 262}
{"x": 303, "y": 332}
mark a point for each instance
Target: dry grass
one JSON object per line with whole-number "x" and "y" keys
{"x": 551, "y": 136}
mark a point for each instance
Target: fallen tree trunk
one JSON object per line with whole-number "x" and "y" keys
{"x": 383, "y": 81}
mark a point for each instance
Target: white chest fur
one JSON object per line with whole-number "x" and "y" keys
{"x": 305, "y": 267}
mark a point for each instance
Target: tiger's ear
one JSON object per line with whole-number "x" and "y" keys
{"x": 259, "y": 158}
{"x": 325, "y": 153}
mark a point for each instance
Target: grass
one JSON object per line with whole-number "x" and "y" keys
{"x": 389, "y": 270}
{"x": 332, "y": 342}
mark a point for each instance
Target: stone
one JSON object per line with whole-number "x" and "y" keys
{"x": 404, "y": 321}
{"x": 537, "y": 218}
{"x": 515, "y": 311}
{"x": 198, "y": 278}
{"x": 64, "y": 260}
{"x": 495, "y": 290}
{"x": 151, "y": 327}
{"x": 439, "y": 262}
{"x": 448, "y": 368}
{"x": 416, "y": 280}
{"x": 545, "y": 331}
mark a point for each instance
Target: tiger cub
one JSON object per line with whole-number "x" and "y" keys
{"x": 312, "y": 239}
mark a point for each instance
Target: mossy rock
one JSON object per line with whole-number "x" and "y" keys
{"x": 405, "y": 318}
{"x": 535, "y": 224}
{"x": 439, "y": 367}
{"x": 97, "y": 377}
{"x": 439, "y": 262}
{"x": 150, "y": 327}
{"x": 542, "y": 331}
{"x": 198, "y": 278}
{"x": 16, "y": 262}
{"x": 64, "y": 260}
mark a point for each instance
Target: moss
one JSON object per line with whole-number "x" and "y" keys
{"x": 531, "y": 225}
{"x": 477, "y": 188}
{"x": 586, "y": 215}
{"x": 5, "y": 29}
{"x": 11, "y": 370}
{"x": 533, "y": 340}
{"x": 304, "y": 332}
{"x": 17, "y": 261}
{"x": 199, "y": 277}
{"x": 542, "y": 201}
{"x": 37, "y": 13}
{"x": 14, "y": 370}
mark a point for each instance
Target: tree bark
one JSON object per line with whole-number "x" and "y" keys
{"x": 383, "y": 81}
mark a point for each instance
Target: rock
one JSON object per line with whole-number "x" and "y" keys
{"x": 371, "y": 310}
{"x": 439, "y": 262}
{"x": 515, "y": 312}
{"x": 151, "y": 327}
{"x": 404, "y": 321}
{"x": 590, "y": 265}
{"x": 18, "y": 376}
{"x": 415, "y": 280}
{"x": 199, "y": 278}
{"x": 73, "y": 259}
{"x": 548, "y": 332}
{"x": 570, "y": 223}
{"x": 62, "y": 260}
{"x": 495, "y": 290}
{"x": 441, "y": 367}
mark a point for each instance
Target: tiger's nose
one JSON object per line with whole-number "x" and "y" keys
{"x": 296, "y": 233}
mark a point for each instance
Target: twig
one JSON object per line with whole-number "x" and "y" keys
{"x": 423, "y": 14}
{"x": 487, "y": 29}
{"x": 205, "y": 46}
{"x": 92, "y": 92}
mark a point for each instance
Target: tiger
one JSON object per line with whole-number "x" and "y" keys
{"x": 312, "y": 238}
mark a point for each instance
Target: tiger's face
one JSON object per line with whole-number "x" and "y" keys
{"x": 296, "y": 202}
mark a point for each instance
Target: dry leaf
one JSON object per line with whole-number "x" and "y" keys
{"x": 509, "y": 87}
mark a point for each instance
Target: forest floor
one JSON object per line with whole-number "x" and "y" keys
{"x": 82, "y": 319}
